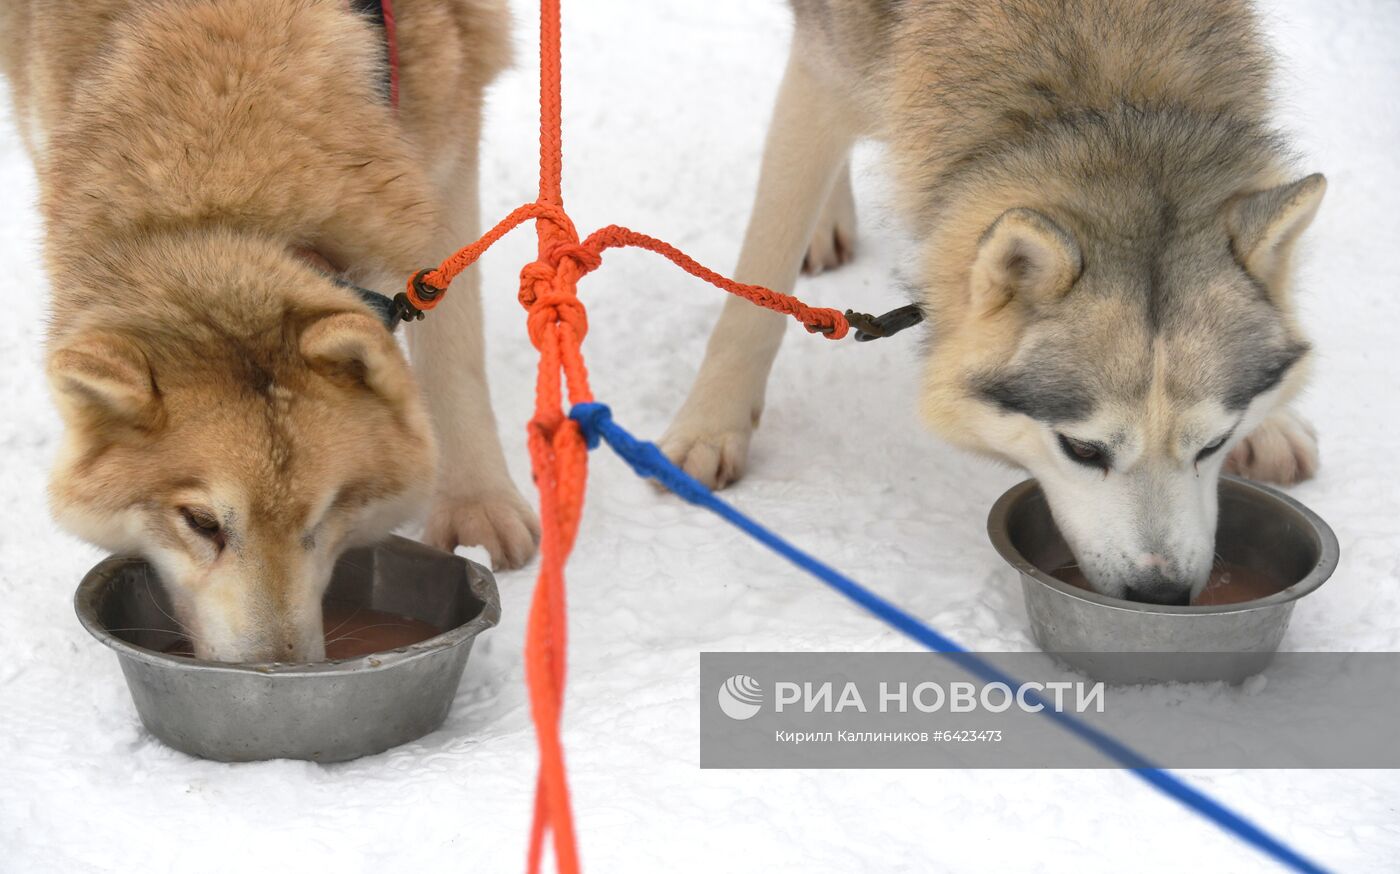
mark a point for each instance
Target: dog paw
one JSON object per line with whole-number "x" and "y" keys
{"x": 1283, "y": 450}
{"x": 500, "y": 521}
{"x": 714, "y": 456}
{"x": 834, "y": 241}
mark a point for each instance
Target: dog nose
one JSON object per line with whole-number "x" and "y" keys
{"x": 1174, "y": 597}
{"x": 1157, "y": 588}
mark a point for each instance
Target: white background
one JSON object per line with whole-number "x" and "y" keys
{"x": 666, "y": 106}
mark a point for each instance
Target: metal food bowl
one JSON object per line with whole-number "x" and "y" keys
{"x": 1258, "y": 528}
{"x": 323, "y": 711}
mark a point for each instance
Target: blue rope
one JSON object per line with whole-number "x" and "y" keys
{"x": 649, "y": 462}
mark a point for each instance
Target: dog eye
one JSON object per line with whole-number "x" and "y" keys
{"x": 203, "y": 523}
{"x": 1209, "y": 449}
{"x": 1081, "y": 452}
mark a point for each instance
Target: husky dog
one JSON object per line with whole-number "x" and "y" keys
{"x": 209, "y": 170}
{"x": 1105, "y": 219}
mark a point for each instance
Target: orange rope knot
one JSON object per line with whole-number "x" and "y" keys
{"x": 555, "y": 308}
{"x": 549, "y": 290}
{"x": 584, "y": 258}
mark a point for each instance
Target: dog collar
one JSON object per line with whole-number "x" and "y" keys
{"x": 390, "y": 311}
{"x": 381, "y": 13}
{"x": 384, "y": 307}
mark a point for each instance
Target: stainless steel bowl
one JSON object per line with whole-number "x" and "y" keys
{"x": 323, "y": 711}
{"x": 1258, "y": 528}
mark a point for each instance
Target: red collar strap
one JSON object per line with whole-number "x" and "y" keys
{"x": 381, "y": 12}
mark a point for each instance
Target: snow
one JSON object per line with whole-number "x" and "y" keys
{"x": 665, "y": 112}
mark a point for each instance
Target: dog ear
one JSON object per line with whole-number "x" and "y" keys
{"x": 1026, "y": 255}
{"x": 103, "y": 375}
{"x": 1264, "y": 225}
{"x": 355, "y": 347}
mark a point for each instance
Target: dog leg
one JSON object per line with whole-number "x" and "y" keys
{"x": 834, "y": 241}
{"x": 808, "y": 141}
{"x": 476, "y": 503}
{"x": 1283, "y": 449}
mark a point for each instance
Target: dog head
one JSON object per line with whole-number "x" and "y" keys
{"x": 240, "y": 444}
{"x": 1120, "y": 369}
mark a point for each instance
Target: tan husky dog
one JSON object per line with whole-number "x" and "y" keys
{"x": 208, "y": 170}
{"x": 1106, "y": 221}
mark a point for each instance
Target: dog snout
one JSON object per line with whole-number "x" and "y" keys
{"x": 300, "y": 641}
{"x": 1153, "y": 561}
{"x": 1155, "y": 587}
{"x": 285, "y": 639}
{"x": 262, "y": 651}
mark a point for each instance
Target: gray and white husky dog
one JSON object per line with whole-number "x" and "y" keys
{"x": 1105, "y": 218}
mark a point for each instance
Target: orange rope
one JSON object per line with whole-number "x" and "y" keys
{"x": 557, "y": 324}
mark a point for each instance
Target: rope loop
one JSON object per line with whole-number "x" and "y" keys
{"x": 820, "y": 320}
{"x": 425, "y": 289}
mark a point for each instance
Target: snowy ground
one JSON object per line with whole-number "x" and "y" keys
{"x": 666, "y": 105}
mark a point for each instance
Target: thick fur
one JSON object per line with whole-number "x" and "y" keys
{"x": 231, "y": 412}
{"x": 1106, "y": 222}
